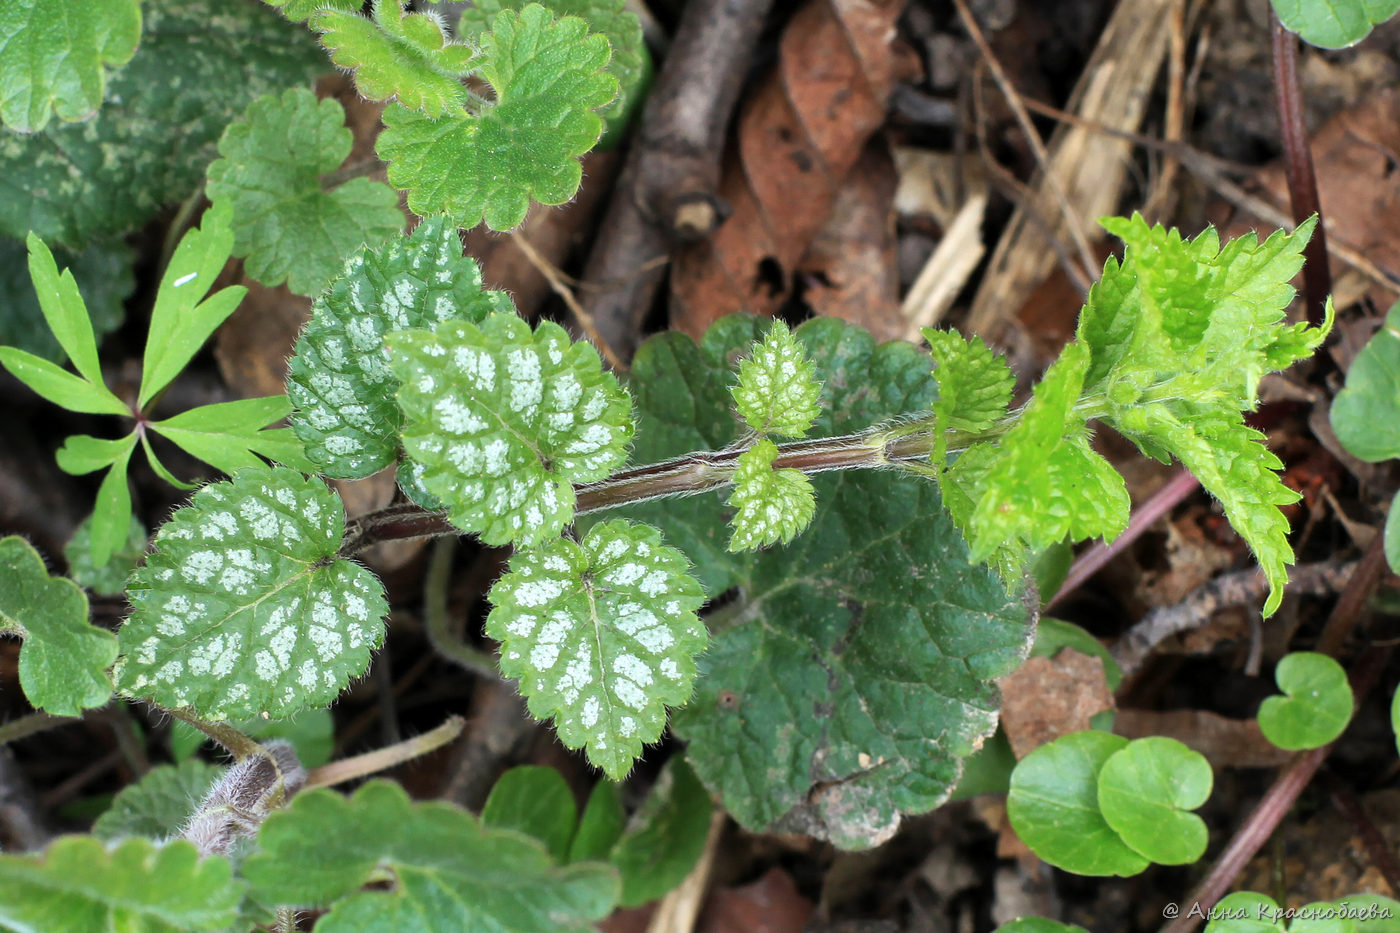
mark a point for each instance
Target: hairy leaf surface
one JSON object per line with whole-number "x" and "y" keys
{"x": 853, "y": 674}
{"x": 136, "y": 887}
{"x": 504, "y": 419}
{"x": 450, "y": 873}
{"x": 54, "y": 56}
{"x": 283, "y": 222}
{"x": 199, "y": 64}
{"x": 602, "y": 635}
{"x": 769, "y": 505}
{"x": 299, "y": 11}
{"x": 340, "y": 379}
{"x": 63, "y": 663}
{"x": 243, "y": 610}
{"x": 158, "y": 805}
{"x": 398, "y": 55}
{"x": 974, "y": 386}
{"x": 777, "y": 391}
{"x": 548, "y": 79}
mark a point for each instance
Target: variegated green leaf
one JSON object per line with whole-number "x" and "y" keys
{"x": 769, "y": 505}
{"x": 778, "y": 389}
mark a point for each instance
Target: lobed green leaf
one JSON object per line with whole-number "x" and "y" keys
{"x": 243, "y": 609}
{"x": 777, "y": 391}
{"x": 287, "y": 226}
{"x": 769, "y": 505}
{"x": 548, "y": 79}
{"x": 104, "y": 275}
{"x": 230, "y": 435}
{"x": 602, "y": 635}
{"x": 339, "y": 379}
{"x": 504, "y": 420}
{"x": 974, "y": 386}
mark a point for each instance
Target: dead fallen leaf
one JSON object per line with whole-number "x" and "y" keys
{"x": 772, "y": 904}
{"x": 254, "y": 344}
{"x": 1046, "y": 698}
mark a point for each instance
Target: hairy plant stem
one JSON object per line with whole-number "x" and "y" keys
{"x": 234, "y": 742}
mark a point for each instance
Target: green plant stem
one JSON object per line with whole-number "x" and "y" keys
{"x": 234, "y": 742}
{"x": 445, "y": 641}
{"x": 348, "y": 769}
{"x": 29, "y": 725}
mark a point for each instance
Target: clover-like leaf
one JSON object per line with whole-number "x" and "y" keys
{"x": 199, "y": 64}
{"x": 602, "y": 635}
{"x": 777, "y": 391}
{"x": 158, "y": 805}
{"x": 339, "y": 378}
{"x": 53, "y": 60}
{"x": 137, "y": 887}
{"x": 1333, "y": 24}
{"x": 287, "y": 226}
{"x": 242, "y": 608}
{"x": 769, "y": 505}
{"x": 834, "y": 703}
{"x": 108, "y": 580}
{"x": 1145, "y": 791}
{"x": 299, "y": 11}
{"x": 630, "y": 62}
{"x": 450, "y": 873}
{"x": 548, "y": 79}
{"x": 104, "y": 276}
{"x": 974, "y": 386}
{"x": 398, "y": 55}
{"x": 504, "y": 419}
{"x": 63, "y": 663}
{"x": 1366, "y": 413}
{"x": 1053, "y": 805}
{"x": 537, "y": 801}
{"x": 1317, "y": 705}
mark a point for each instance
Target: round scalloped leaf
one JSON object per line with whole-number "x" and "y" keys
{"x": 1144, "y": 791}
{"x": 1317, "y": 707}
{"x": 1053, "y": 805}
{"x": 242, "y": 609}
{"x": 63, "y": 663}
{"x": 602, "y": 636}
{"x": 769, "y": 505}
{"x": 548, "y": 79}
{"x": 158, "y": 805}
{"x": 283, "y": 222}
{"x": 504, "y": 420}
{"x": 136, "y": 887}
{"x": 339, "y": 379}
{"x": 778, "y": 389}
{"x": 451, "y": 873}
{"x": 630, "y": 62}
{"x": 199, "y": 64}
{"x": 52, "y": 59}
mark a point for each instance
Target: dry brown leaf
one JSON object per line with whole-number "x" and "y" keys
{"x": 771, "y": 904}
{"x": 254, "y": 344}
{"x": 1046, "y": 698}
{"x": 797, "y": 139}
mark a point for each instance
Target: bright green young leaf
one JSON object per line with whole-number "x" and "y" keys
{"x": 1373, "y": 913}
{"x": 1366, "y": 413}
{"x": 243, "y": 609}
{"x": 136, "y": 887}
{"x": 602, "y": 635}
{"x": 450, "y": 873}
{"x": 56, "y": 384}
{"x": 109, "y": 580}
{"x": 1317, "y": 704}
{"x": 534, "y": 800}
{"x": 339, "y": 378}
{"x": 778, "y": 391}
{"x": 1053, "y": 806}
{"x": 398, "y": 55}
{"x": 630, "y": 62}
{"x": 111, "y": 513}
{"x": 287, "y": 226}
{"x": 229, "y": 434}
{"x": 53, "y": 57}
{"x": 105, "y": 279}
{"x": 769, "y": 505}
{"x": 1038, "y": 925}
{"x": 504, "y": 419}
{"x": 974, "y": 386}
{"x": 310, "y": 732}
{"x": 855, "y": 670}
{"x": 1246, "y": 912}
{"x": 1333, "y": 24}
{"x": 63, "y": 663}
{"x": 1145, "y": 793}
{"x": 600, "y": 825}
{"x": 183, "y": 318}
{"x": 199, "y": 64}
{"x": 299, "y": 11}
{"x": 158, "y": 805}
{"x": 1392, "y": 535}
{"x": 548, "y": 79}
{"x": 667, "y": 835}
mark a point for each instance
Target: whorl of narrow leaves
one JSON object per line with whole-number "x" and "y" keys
{"x": 398, "y": 55}
{"x": 504, "y": 420}
{"x": 974, "y": 386}
{"x": 548, "y": 80}
{"x": 53, "y": 57}
{"x": 283, "y": 222}
{"x": 339, "y": 378}
{"x": 137, "y": 887}
{"x": 778, "y": 391}
{"x": 602, "y": 635}
{"x": 63, "y": 663}
{"x": 769, "y": 505}
{"x": 450, "y": 874}
{"x": 243, "y": 610}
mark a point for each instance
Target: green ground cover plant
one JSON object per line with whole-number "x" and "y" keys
{"x": 874, "y": 510}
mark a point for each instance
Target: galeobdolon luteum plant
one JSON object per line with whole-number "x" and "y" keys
{"x": 861, "y": 515}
